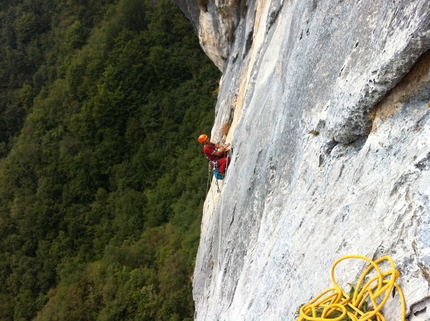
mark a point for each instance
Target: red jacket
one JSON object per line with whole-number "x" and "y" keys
{"x": 208, "y": 150}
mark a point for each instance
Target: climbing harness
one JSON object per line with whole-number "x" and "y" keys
{"x": 364, "y": 302}
{"x": 214, "y": 166}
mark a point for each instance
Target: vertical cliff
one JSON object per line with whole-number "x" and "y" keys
{"x": 328, "y": 103}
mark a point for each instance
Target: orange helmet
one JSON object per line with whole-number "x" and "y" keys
{"x": 202, "y": 138}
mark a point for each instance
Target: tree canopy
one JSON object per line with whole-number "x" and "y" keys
{"x": 102, "y": 180}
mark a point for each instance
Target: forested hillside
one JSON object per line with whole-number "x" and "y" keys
{"x": 102, "y": 180}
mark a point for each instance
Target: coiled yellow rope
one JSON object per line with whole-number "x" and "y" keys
{"x": 335, "y": 304}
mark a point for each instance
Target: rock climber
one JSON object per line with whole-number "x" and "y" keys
{"x": 215, "y": 153}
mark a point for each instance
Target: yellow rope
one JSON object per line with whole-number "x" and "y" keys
{"x": 335, "y": 304}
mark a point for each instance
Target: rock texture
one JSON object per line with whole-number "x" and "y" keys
{"x": 215, "y": 23}
{"x": 328, "y": 103}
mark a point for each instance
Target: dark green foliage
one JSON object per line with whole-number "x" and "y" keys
{"x": 101, "y": 177}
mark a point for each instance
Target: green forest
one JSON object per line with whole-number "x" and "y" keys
{"x": 102, "y": 180}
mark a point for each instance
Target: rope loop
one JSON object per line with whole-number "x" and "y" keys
{"x": 364, "y": 302}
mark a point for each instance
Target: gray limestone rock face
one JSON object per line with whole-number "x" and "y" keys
{"x": 191, "y": 10}
{"x": 215, "y": 22}
{"x": 328, "y": 107}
